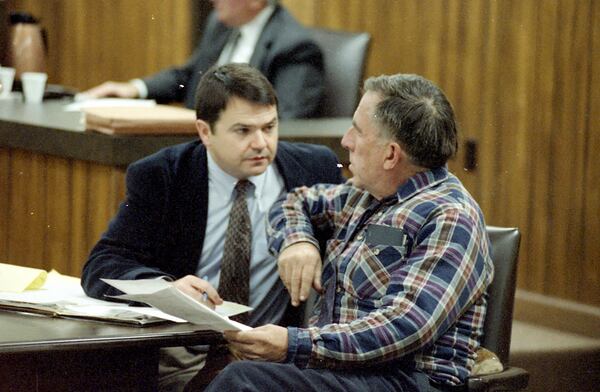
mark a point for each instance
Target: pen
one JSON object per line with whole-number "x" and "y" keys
{"x": 204, "y": 295}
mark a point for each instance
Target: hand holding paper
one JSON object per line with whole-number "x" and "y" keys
{"x": 199, "y": 289}
{"x": 165, "y": 296}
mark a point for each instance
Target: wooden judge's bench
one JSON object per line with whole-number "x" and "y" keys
{"x": 61, "y": 184}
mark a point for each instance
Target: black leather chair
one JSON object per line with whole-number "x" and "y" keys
{"x": 498, "y": 320}
{"x": 345, "y": 56}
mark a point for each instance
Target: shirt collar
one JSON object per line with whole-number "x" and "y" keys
{"x": 420, "y": 181}
{"x": 226, "y": 181}
{"x": 256, "y": 25}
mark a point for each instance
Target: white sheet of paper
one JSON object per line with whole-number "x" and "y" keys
{"x": 107, "y": 102}
{"x": 166, "y": 297}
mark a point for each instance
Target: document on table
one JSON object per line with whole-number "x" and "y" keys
{"x": 62, "y": 296}
{"x": 166, "y": 297}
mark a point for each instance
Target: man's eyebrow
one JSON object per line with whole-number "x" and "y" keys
{"x": 273, "y": 121}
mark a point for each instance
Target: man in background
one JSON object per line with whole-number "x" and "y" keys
{"x": 174, "y": 222}
{"x": 259, "y": 32}
{"x": 405, "y": 269}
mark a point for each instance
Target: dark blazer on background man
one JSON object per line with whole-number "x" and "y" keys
{"x": 159, "y": 228}
{"x": 284, "y": 53}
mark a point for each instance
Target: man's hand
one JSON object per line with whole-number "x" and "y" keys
{"x": 266, "y": 343}
{"x": 112, "y": 89}
{"x": 196, "y": 287}
{"x": 299, "y": 267}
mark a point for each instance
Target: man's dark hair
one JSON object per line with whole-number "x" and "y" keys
{"x": 220, "y": 83}
{"x": 415, "y": 113}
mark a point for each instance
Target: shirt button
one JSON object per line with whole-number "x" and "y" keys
{"x": 360, "y": 237}
{"x": 338, "y": 289}
{"x": 376, "y": 252}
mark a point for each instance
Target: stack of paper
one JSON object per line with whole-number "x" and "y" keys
{"x": 82, "y": 102}
{"x": 141, "y": 120}
{"x": 32, "y": 290}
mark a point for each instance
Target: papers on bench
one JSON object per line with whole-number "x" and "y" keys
{"x": 62, "y": 296}
{"x": 81, "y": 105}
{"x": 141, "y": 120}
{"x": 119, "y": 116}
{"x": 165, "y": 296}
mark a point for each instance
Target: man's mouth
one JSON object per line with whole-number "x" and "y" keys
{"x": 257, "y": 158}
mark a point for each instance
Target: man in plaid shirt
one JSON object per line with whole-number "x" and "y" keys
{"x": 404, "y": 270}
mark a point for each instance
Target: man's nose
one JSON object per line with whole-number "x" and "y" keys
{"x": 346, "y": 140}
{"x": 259, "y": 141}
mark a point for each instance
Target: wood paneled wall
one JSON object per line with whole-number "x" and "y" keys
{"x": 91, "y": 41}
{"x": 53, "y": 210}
{"x": 523, "y": 76}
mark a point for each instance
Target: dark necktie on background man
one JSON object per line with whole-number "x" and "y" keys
{"x": 230, "y": 47}
{"x": 235, "y": 266}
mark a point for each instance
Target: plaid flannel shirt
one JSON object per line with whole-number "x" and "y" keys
{"x": 408, "y": 275}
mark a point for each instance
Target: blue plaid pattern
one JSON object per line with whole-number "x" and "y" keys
{"x": 418, "y": 301}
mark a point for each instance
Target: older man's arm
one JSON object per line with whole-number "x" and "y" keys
{"x": 295, "y": 222}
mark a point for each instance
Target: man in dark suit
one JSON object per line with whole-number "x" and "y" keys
{"x": 174, "y": 219}
{"x": 270, "y": 40}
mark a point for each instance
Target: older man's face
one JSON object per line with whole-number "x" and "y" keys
{"x": 235, "y": 13}
{"x": 365, "y": 146}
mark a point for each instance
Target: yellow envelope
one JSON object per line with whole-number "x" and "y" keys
{"x": 16, "y": 278}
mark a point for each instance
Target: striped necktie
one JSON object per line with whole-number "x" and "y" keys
{"x": 235, "y": 266}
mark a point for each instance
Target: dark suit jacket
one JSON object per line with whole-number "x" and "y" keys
{"x": 159, "y": 228}
{"x": 284, "y": 53}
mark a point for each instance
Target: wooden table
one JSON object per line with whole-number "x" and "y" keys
{"x": 39, "y": 353}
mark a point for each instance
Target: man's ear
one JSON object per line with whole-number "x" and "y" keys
{"x": 394, "y": 155}
{"x": 203, "y": 129}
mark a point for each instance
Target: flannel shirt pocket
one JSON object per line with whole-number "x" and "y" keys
{"x": 371, "y": 272}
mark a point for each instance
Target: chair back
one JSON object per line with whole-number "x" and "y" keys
{"x": 345, "y": 55}
{"x": 501, "y": 293}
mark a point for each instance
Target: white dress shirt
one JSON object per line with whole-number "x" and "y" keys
{"x": 246, "y": 43}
